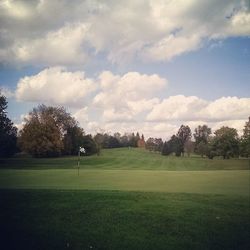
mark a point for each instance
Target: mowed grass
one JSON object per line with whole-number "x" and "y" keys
{"x": 51, "y": 219}
{"x": 125, "y": 158}
{"x": 125, "y": 199}
{"x": 233, "y": 182}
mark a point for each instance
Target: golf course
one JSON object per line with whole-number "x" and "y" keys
{"x": 126, "y": 198}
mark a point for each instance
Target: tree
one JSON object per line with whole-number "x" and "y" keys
{"x": 41, "y": 138}
{"x": 245, "y": 140}
{"x": 226, "y": 142}
{"x": 158, "y": 144}
{"x": 154, "y": 144}
{"x": 201, "y": 148}
{"x": 89, "y": 145}
{"x": 189, "y": 147}
{"x": 202, "y": 134}
{"x": 175, "y": 145}
{"x": 150, "y": 145}
{"x": 184, "y": 134}
{"x": 166, "y": 150}
{"x": 8, "y": 132}
{"x": 50, "y": 131}
{"x": 72, "y": 140}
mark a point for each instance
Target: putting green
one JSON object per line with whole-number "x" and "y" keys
{"x": 233, "y": 182}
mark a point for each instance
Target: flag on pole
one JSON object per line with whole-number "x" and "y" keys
{"x": 82, "y": 150}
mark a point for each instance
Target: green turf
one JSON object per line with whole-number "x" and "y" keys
{"x": 124, "y": 158}
{"x": 51, "y": 219}
{"x": 215, "y": 182}
{"x": 124, "y": 199}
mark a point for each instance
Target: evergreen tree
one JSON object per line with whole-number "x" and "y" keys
{"x": 184, "y": 134}
{"x": 245, "y": 140}
{"x": 166, "y": 150}
{"x": 8, "y": 132}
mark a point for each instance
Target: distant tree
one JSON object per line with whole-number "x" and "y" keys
{"x": 202, "y": 134}
{"x": 89, "y": 145}
{"x": 72, "y": 140}
{"x": 150, "y": 145}
{"x": 133, "y": 140}
{"x": 40, "y": 136}
{"x": 124, "y": 140}
{"x": 176, "y": 146}
{"x": 8, "y": 132}
{"x": 183, "y": 134}
{"x": 137, "y": 138}
{"x": 201, "y": 148}
{"x": 245, "y": 140}
{"x": 113, "y": 142}
{"x": 98, "y": 138}
{"x": 166, "y": 149}
{"x": 226, "y": 142}
{"x": 50, "y": 131}
{"x": 154, "y": 144}
{"x": 210, "y": 148}
{"x": 189, "y": 147}
{"x": 158, "y": 144}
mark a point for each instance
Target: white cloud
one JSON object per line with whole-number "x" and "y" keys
{"x": 6, "y": 92}
{"x": 55, "y": 86}
{"x": 226, "y": 108}
{"x": 125, "y": 96}
{"x": 171, "y": 46}
{"x": 63, "y": 46}
{"x": 151, "y": 30}
{"x": 82, "y": 116}
{"x": 192, "y": 108}
{"x": 177, "y": 108}
{"x": 237, "y": 124}
{"x": 240, "y": 24}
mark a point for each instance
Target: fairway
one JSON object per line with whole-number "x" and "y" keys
{"x": 125, "y": 199}
{"x": 128, "y": 159}
{"x": 233, "y": 182}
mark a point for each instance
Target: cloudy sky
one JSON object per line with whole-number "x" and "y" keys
{"x": 144, "y": 65}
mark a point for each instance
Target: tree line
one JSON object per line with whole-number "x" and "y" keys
{"x": 52, "y": 131}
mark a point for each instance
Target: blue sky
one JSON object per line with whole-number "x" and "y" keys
{"x": 123, "y": 66}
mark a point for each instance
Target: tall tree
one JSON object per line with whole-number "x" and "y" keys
{"x": 201, "y": 136}
{"x": 184, "y": 134}
{"x": 166, "y": 150}
{"x": 72, "y": 140}
{"x": 202, "y": 133}
{"x": 8, "y": 132}
{"x": 226, "y": 142}
{"x": 176, "y": 145}
{"x": 50, "y": 131}
{"x": 245, "y": 140}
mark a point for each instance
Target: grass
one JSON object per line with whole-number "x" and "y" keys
{"x": 233, "y": 182}
{"x": 124, "y": 158}
{"x": 50, "y": 219}
{"x": 125, "y": 199}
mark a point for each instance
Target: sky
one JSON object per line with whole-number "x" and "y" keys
{"x": 128, "y": 66}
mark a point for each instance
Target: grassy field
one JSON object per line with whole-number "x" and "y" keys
{"x": 124, "y": 158}
{"x": 125, "y": 199}
{"x": 233, "y": 182}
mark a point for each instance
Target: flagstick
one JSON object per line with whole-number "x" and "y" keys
{"x": 78, "y": 163}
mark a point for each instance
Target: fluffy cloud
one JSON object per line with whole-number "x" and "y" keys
{"x": 192, "y": 108}
{"x": 145, "y": 30}
{"x": 63, "y": 46}
{"x": 125, "y": 96}
{"x": 6, "y": 92}
{"x": 227, "y": 108}
{"x": 55, "y": 86}
{"x": 177, "y": 108}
